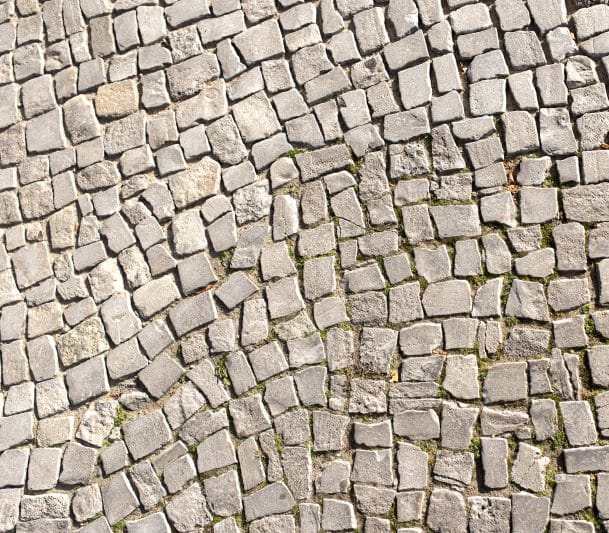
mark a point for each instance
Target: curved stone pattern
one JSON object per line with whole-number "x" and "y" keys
{"x": 301, "y": 266}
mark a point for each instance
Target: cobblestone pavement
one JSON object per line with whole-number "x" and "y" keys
{"x": 304, "y": 266}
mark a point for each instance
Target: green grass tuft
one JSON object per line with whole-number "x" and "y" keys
{"x": 119, "y": 526}
{"x": 120, "y": 416}
{"x": 293, "y": 153}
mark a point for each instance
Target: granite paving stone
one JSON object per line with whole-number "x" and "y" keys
{"x": 297, "y": 266}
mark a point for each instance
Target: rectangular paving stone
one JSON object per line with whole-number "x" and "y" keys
{"x": 87, "y": 380}
{"x": 155, "y": 296}
{"x": 193, "y": 312}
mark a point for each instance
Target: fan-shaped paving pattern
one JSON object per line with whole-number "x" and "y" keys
{"x": 304, "y": 266}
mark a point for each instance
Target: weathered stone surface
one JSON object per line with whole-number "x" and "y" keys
{"x": 461, "y": 378}
{"x": 529, "y": 468}
{"x": 447, "y": 298}
{"x": 253, "y": 253}
{"x": 275, "y": 498}
{"x": 155, "y": 296}
{"x": 578, "y": 422}
{"x": 489, "y": 513}
{"x": 527, "y": 300}
{"x": 443, "y": 503}
{"x": 83, "y": 342}
{"x": 97, "y": 422}
{"x": 196, "y": 183}
{"x": 572, "y": 494}
{"x": 118, "y": 498}
{"x": 188, "y": 510}
{"x": 146, "y": 434}
{"x": 506, "y": 382}
{"x": 529, "y": 513}
{"x": 87, "y": 380}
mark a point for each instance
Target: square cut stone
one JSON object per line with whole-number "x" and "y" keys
{"x": 87, "y": 380}
{"x": 31, "y": 265}
{"x": 117, "y": 99}
{"x": 506, "y": 382}
{"x": 45, "y": 132}
{"x": 160, "y": 375}
{"x": 598, "y": 360}
{"x": 260, "y": 42}
{"x": 268, "y": 361}
{"x": 195, "y": 183}
{"x": 84, "y": 341}
{"x": 217, "y": 451}
{"x": 284, "y": 298}
{"x": 249, "y": 416}
{"x": 255, "y": 118}
{"x": 146, "y": 434}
